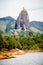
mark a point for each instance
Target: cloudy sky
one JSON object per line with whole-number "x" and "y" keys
{"x": 13, "y": 8}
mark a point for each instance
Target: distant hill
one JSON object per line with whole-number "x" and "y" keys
{"x": 7, "y": 25}
{"x": 36, "y": 26}
{"x": 7, "y": 18}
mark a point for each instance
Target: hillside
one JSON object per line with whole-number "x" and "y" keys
{"x": 8, "y": 26}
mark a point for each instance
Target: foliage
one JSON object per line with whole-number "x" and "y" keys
{"x": 31, "y": 42}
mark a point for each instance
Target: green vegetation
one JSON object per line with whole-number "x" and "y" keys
{"x": 32, "y": 42}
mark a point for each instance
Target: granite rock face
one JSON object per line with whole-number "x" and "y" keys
{"x": 23, "y": 21}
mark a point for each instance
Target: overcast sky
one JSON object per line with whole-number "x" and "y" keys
{"x": 13, "y": 8}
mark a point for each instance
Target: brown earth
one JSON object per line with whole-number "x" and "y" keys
{"x": 34, "y": 51}
{"x": 11, "y": 54}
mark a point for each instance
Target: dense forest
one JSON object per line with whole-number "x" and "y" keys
{"x": 31, "y": 42}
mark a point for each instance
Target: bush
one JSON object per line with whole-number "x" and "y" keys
{"x": 21, "y": 42}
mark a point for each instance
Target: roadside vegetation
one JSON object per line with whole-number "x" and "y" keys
{"x": 32, "y": 42}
